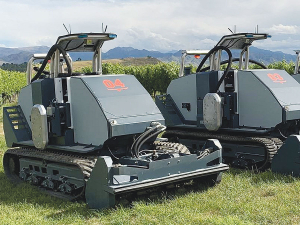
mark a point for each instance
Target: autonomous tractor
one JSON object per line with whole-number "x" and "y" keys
{"x": 93, "y": 136}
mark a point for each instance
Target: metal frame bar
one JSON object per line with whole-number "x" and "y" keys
{"x": 186, "y": 53}
{"x": 297, "y": 62}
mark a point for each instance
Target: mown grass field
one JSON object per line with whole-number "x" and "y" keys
{"x": 242, "y": 197}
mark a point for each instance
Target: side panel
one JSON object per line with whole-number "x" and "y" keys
{"x": 284, "y": 88}
{"x": 205, "y": 83}
{"x": 43, "y": 91}
{"x": 25, "y": 102}
{"x": 256, "y": 104}
{"x": 89, "y": 122}
{"x": 296, "y": 77}
{"x": 126, "y": 104}
{"x": 183, "y": 93}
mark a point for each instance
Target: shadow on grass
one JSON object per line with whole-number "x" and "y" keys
{"x": 26, "y": 194}
{"x": 158, "y": 196}
{"x": 11, "y": 193}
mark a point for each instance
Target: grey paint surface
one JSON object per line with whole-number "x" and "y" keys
{"x": 25, "y": 101}
{"x": 183, "y": 90}
{"x": 256, "y": 104}
{"x": 39, "y": 126}
{"x": 212, "y": 111}
{"x": 101, "y": 188}
{"x": 129, "y": 109}
{"x": 99, "y": 111}
{"x": 296, "y": 77}
{"x": 287, "y": 160}
{"x": 286, "y": 90}
{"x": 89, "y": 122}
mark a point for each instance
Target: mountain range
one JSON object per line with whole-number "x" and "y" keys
{"x": 21, "y": 55}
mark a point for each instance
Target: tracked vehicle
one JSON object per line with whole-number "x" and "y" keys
{"x": 94, "y": 136}
{"x": 250, "y": 111}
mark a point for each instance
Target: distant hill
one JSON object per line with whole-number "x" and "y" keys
{"x": 21, "y": 55}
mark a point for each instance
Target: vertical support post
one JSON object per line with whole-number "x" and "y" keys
{"x": 56, "y": 63}
{"x": 29, "y": 70}
{"x": 218, "y": 60}
{"x": 182, "y": 64}
{"x": 241, "y": 59}
{"x": 99, "y": 61}
{"x": 297, "y": 62}
{"x": 52, "y": 65}
{"x": 94, "y": 63}
{"x": 247, "y": 58}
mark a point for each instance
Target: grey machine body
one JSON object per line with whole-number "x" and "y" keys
{"x": 95, "y": 136}
{"x": 248, "y": 106}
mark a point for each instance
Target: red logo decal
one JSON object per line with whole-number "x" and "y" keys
{"x": 276, "y": 78}
{"x": 114, "y": 86}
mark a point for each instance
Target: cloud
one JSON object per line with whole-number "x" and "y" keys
{"x": 282, "y": 29}
{"x": 286, "y": 46}
{"x": 150, "y": 24}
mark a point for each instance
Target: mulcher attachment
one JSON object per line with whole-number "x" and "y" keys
{"x": 287, "y": 159}
{"x": 108, "y": 180}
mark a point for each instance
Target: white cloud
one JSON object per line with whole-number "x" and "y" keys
{"x": 287, "y": 45}
{"x": 151, "y": 24}
{"x": 282, "y": 29}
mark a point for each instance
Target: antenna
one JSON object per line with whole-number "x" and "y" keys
{"x": 104, "y": 30}
{"x": 70, "y": 29}
{"x": 230, "y": 30}
{"x": 257, "y": 29}
{"x": 66, "y": 28}
{"x": 234, "y": 28}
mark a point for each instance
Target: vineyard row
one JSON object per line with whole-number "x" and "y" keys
{"x": 155, "y": 78}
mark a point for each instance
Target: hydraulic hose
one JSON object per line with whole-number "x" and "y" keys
{"x": 235, "y": 60}
{"x": 227, "y": 68}
{"x": 48, "y": 57}
{"x": 135, "y": 148}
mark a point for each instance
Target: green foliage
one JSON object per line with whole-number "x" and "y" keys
{"x": 11, "y": 83}
{"x": 154, "y": 78}
{"x": 14, "y": 67}
{"x": 283, "y": 65}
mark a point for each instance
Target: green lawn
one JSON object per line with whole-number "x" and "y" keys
{"x": 242, "y": 197}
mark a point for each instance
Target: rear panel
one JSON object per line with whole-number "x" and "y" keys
{"x": 256, "y": 104}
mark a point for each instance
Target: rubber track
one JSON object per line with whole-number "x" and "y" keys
{"x": 85, "y": 163}
{"x": 270, "y": 144}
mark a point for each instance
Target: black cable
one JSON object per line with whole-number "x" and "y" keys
{"x": 112, "y": 153}
{"x": 234, "y": 60}
{"x": 228, "y": 66}
{"x": 67, "y": 45}
{"x": 48, "y": 57}
{"x": 161, "y": 129}
{"x": 71, "y": 49}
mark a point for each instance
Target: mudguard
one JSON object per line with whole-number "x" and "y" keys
{"x": 287, "y": 159}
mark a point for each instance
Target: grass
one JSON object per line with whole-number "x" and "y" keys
{"x": 242, "y": 197}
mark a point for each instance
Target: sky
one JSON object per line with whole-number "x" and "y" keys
{"x": 160, "y": 25}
